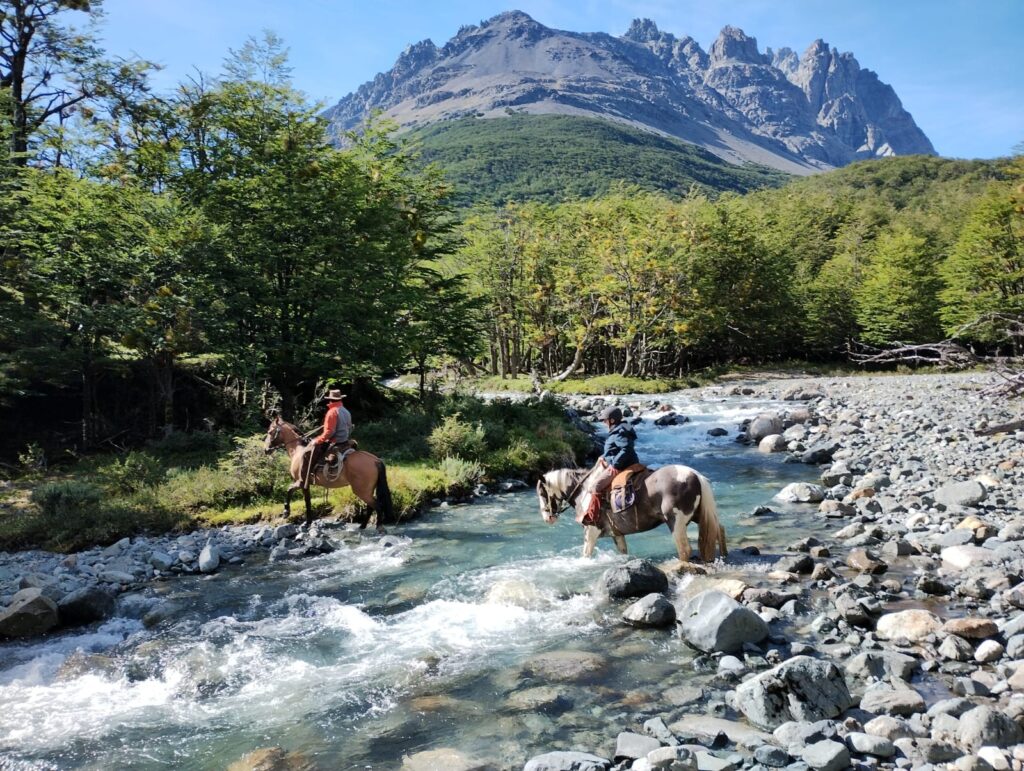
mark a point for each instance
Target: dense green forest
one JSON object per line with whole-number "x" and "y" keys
{"x": 188, "y": 260}
{"x": 552, "y": 158}
{"x": 894, "y": 250}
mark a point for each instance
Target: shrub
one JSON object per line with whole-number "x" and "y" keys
{"x": 66, "y": 499}
{"x": 259, "y": 474}
{"x": 460, "y": 475}
{"x": 455, "y": 437}
{"x": 132, "y": 472}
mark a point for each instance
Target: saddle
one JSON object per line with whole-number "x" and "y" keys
{"x": 623, "y": 489}
{"x": 335, "y": 456}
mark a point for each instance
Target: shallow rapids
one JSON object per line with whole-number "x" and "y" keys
{"x": 385, "y": 648}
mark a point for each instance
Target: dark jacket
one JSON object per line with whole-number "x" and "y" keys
{"x": 618, "y": 447}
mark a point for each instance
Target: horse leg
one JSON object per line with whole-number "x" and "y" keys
{"x": 590, "y": 536}
{"x": 679, "y": 535}
{"x": 620, "y": 543}
{"x": 287, "y": 503}
{"x": 721, "y": 542}
{"x": 309, "y": 506}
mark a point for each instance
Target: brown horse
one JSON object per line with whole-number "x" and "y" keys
{"x": 672, "y": 495}
{"x": 364, "y": 472}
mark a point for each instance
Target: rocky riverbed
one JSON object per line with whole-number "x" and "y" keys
{"x": 891, "y": 638}
{"x": 898, "y": 641}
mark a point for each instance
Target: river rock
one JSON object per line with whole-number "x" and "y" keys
{"x": 667, "y": 759}
{"x": 866, "y": 562}
{"x": 565, "y": 666}
{"x": 820, "y": 452}
{"x": 636, "y": 578}
{"x": 629, "y": 745}
{"x": 882, "y": 699}
{"x": 801, "y": 688}
{"x": 801, "y": 492}
{"x": 971, "y": 628}
{"x": 772, "y": 443}
{"x": 545, "y": 699}
{"x": 882, "y": 664}
{"x": 85, "y": 606}
{"x": 985, "y": 726}
{"x": 967, "y": 494}
{"x": 653, "y": 611}
{"x": 826, "y": 756}
{"x": 161, "y": 560}
{"x": 956, "y": 648}
{"x": 30, "y": 613}
{"x": 914, "y": 625}
{"x": 272, "y": 759}
{"x": 567, "y": 761}
{"x": 765, "y": 424}
{"x": 713, "y": 621}
{"x": 866, "y": 744}
{"x": 446, "y": 758}
{"x": 209, "y": 558}
{"x": 798, "y": 563}
{"x": 988, "y": 651}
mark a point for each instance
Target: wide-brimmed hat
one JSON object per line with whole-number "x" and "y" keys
{"x": 334, "y": 395}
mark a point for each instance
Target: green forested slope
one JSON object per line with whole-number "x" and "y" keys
{"x": 552, "y": 158}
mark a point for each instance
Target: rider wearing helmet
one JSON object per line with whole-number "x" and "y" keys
{"x": 618, "y": 455}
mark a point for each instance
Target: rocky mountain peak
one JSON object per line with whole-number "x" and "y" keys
{"x": 797, "y": 114}
{"x": 734, "y": 44}
{"x": 643, "y": 31}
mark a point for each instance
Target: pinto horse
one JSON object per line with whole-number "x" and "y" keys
{"x": 672, "y": 495}
{"x": 364, "y": 472}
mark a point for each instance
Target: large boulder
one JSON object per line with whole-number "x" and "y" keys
{"x": 802, "y": 689}
{"x": 86, "y": 605}
{"x": 637, "y": 578}
{"x": 987, "y": 727}
{"x": 960, "y": 494}
{"x": 30, "y": 613}
{"x": 913, "y": 625}
{"x": 567, "y": 761}
{"x": 801, "y": 492}
{"x": 714, "y": 621}
{"x": 765, "y": 424}
{"x": 209, "y": 558}
{"x": 652, "y": 610}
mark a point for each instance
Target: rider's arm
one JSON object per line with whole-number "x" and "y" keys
{"x": 330, "y": 423}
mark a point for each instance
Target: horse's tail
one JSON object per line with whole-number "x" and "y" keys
{"x": 710, "y": 532}
{"x": 382, "y": 495}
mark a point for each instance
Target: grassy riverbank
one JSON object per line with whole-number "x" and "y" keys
{"x": 208, "y": 479}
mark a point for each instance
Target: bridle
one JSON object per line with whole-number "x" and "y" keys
{"x": 278, "y": 425}
{"x": 563, "y": 501}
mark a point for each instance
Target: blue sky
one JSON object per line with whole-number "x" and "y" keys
{"x": 956, "y": 64}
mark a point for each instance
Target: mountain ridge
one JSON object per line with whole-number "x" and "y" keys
{"x": 797, "y": 114}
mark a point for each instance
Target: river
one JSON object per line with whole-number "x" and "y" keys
{"x": 362, "y": 656}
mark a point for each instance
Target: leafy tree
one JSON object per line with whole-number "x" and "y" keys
{"x": 897, "y": 300}
{"x": 984, "y": 273}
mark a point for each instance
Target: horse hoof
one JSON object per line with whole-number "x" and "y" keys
{"x": 381, "y": 531}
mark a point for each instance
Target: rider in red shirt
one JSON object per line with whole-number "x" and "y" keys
{"x": 337, "y": 429}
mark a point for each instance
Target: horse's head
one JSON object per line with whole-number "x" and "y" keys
{"x": 273, "y": 438}
{"x": 549, "y": 500}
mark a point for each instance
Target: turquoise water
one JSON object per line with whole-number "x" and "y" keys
{"x": 362, "y": 656}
